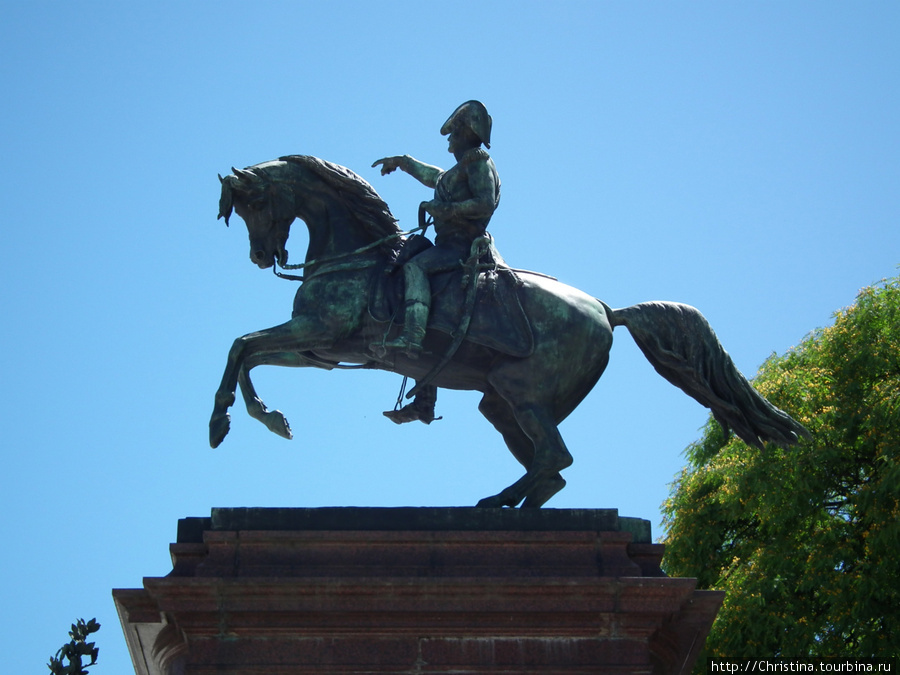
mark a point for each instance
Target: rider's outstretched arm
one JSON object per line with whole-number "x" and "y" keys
{"x": 426, "y": 174}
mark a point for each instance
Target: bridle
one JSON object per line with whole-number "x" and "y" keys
{"x": 424, "y": 223}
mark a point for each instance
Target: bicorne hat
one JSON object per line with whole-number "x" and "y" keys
{"x": 473, "y": 115}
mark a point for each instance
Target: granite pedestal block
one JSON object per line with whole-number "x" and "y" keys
{"x": 415, "y": 590}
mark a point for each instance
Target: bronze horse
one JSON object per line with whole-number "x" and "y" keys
{"x": 353, "y": 237}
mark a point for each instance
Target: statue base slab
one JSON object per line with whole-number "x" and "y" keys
{"x": 415, "y": 590}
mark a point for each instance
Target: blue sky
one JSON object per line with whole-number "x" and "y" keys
{"x": 739, "y": 157}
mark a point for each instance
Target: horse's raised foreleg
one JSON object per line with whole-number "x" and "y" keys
{"x": 499, "y": 413}
{"x": 274, "y": 344}
{"x": 273, "y": 420}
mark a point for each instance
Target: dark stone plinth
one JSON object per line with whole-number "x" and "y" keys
{"x": 415, "y": 590}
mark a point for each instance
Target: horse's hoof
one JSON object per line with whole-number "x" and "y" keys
{"x": 489, "y": 503}
{"x": 496, "y": 502}
{"x": 277, "y": 423}
{"x": 218, "y": 429}
{"x": 543, "y": 491}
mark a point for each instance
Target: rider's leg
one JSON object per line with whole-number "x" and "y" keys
{"x": 416, "y": 275}
{"x": 418, "y": 305}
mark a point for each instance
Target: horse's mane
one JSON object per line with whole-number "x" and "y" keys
{"x": 371, "y": 210}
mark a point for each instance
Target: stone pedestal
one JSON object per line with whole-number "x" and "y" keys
{"x": 415, "y": 590}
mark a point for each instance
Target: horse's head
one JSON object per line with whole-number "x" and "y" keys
{"x": 342, "y": 211}
{"x": 266, "y": 207}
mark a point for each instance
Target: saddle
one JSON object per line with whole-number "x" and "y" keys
{"x": 497, "y": 321}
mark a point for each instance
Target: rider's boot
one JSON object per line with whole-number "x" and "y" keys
{"x": 410, "y": 340}
{"x": 418, "y": 305}
{"x": 421, "y": 409}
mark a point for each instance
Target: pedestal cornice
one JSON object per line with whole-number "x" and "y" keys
{"x": 414, "y": 591}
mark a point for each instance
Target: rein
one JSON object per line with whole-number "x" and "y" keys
{"x": 353, "y": 265}
{"x": 341, "y": 256}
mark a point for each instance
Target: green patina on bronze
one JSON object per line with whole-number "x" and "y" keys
{"x": 355, "y": 256}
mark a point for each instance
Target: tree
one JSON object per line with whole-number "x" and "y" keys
{"x": 77, "y": 649}
{"x": 805, "y": 540}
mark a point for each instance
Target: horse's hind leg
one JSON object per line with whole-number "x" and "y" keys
{"x": 529, "y": 430}
{"x": 499, "y": 413}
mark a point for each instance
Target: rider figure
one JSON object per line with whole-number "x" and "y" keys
{"x": 465, "y": 198}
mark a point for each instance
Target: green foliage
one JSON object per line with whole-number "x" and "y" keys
{"x": 76, "y": 650}
{"x": 805, "y": 540}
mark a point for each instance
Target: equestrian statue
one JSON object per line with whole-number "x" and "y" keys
{"x": 451, "y": 313}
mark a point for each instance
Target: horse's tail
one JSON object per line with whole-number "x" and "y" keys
{"x": 684, "y": 349}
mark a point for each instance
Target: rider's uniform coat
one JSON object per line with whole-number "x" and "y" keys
{"x": 472, "y": 190}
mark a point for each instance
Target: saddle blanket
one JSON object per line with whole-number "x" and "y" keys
{"x": 498, "y": 319}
